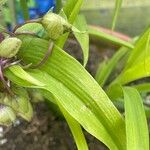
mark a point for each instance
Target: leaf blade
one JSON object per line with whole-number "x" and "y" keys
{"x": 136, "y": 124}
{"x": 83, "y": 38}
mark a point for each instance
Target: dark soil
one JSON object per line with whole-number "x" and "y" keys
{"x": 46, "y": 131}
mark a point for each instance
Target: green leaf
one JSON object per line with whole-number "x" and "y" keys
{"x": 136, "y": 124}
{"x": 83, "y": 38}
{"x": 99, "y": 34}
{"x": 76, "y": 90}
{"x": 58, "y": 6}
{"x": 82, "y": 109}
{"x": 24, "y": 6}
{"x": 31, "y": 27}
{"x": 105, "y": 69}
{"x": 139, "y": 61}
{"x": 72, "y": 8}
{"x": 143, "y": 87}
{"x": 75, "y": 128}
{"x": 116, "y": 13}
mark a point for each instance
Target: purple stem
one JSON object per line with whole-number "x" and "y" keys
{"x": 3, "y": 79}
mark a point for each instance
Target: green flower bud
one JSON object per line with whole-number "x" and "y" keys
{"x": 36, "y": 96}
{"x": 9, "y": 47}
{"x": 19, "y": 103}
{"x": 29, "y": 114}
{"x": 5, "y": 99}
{"x": 25, "y": 108}
{"x": 55, "y": 25}
{"x": 7, "y": 115}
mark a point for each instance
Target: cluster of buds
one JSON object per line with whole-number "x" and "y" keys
{"x": 13, "y": 106}
{"x": 12, "y": 103}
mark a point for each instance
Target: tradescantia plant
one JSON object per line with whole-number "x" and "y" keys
{"x": 32, "y": 57}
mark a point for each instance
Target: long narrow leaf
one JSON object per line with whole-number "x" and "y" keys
{"x": 116, "y": 12}
{"x": 138, "y": 64}
{"x": 70, "y": 75}
{"x": 80, "y": 110}
{"x": 82, "y": 37}
{"x": 136, "y": 124}
{"x": 24, "y": 7}
{"x": 75, "y": 128}
{"x": 99, "y": 34}
{"x": 106, "y": 69}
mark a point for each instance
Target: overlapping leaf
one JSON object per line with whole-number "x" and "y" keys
{"x": 76, "y": 90}
{"x": 138, "y": 64}
{"x": 106, "y": 67}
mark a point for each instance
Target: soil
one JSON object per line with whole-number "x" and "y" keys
{"x": 47, "y": 131}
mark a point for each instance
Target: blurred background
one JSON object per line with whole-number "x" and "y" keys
{"x": 132, "y": 20}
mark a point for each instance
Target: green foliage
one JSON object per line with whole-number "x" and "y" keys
{"x": 82, "y": 37}
{"x": 24, "y": 7}
{"x": 99, "y": 34}
{"x": 116, "y": 12}
{"x": 106, "y": 67}
{"x": 72, "y": 85}
{"x": 139, "y": 58}
{"x": 63, "y": 81}
{"x": 136, "y": 123}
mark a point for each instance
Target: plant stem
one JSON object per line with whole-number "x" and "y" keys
{"x": 116, "y": 12}
{"x": 4, "y": 82}
{"x": 58, "y": 6}
{"x": 24, "y": 7}
{"x": 45, "y": 57}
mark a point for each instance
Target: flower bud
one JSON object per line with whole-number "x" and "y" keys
{"x": 55, "y": 25}
{"x": 29, "y": 114}
{"x": 9, "y": 47}
{"x": 24, "y": 108}
{"x": 7, "y": 115}
{"x": 19, "y": 103}
{"x": 7, "y": 100}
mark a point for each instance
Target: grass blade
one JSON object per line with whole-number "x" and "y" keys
{"x": 24, "y": 6}
{"x": 75, "y": 129}
{"x": 116, "y": 13}
{"x": 136, "y": 124}
{"x": 100, "y": 34}
{"x": 138, "y": 62}
{"x": 105, "y": 70}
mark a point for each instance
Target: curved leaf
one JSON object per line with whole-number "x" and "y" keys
{"x": 76, "y": 89}
{"x": 136, "y": 123}
{"x": 139, "y": 61}
{"x": 100, "y": 122}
